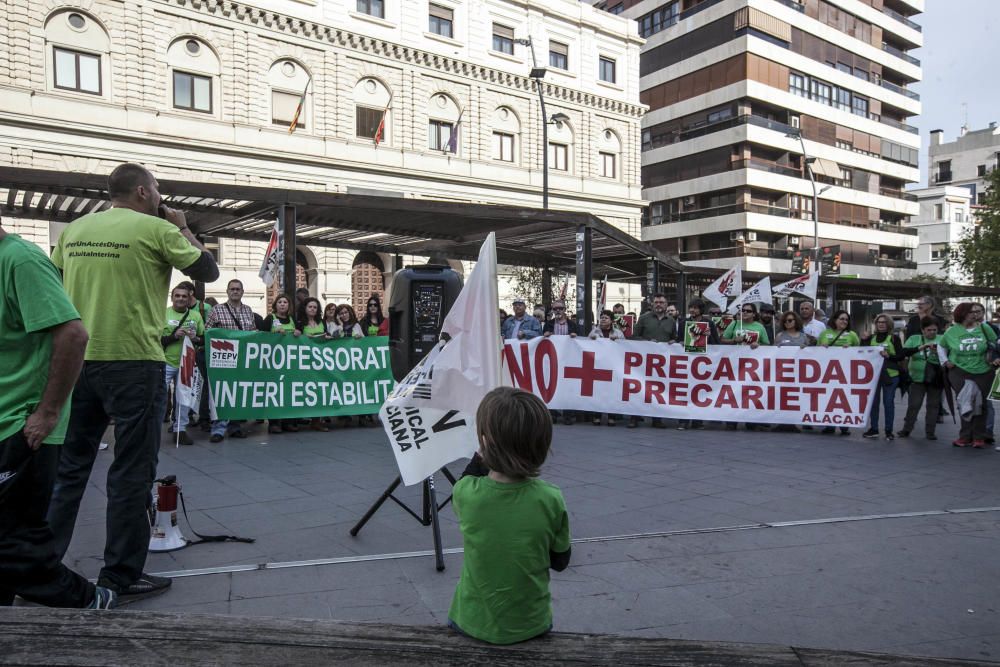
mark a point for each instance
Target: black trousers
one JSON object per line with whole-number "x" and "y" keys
{"x": 133, "y": 394}
{"x": 30, "y": 565}
{"x": 918, "y": 393}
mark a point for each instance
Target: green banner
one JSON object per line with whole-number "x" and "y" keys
{"x": 257, "y": 375}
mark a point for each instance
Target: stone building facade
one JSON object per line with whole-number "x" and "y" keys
{"x": 204, "y": 90}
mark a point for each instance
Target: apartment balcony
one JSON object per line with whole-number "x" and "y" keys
{"x": 892, "y": 50}
{"x": 718, "y": 126}
{"x": 897, "y": 194}
{"x": 902, "y": 19}
{"x": 894, "y": 123}
{"x": 777, "y": 253}
{"x": 900, "y": 90}
{"x": 794, "y": 4}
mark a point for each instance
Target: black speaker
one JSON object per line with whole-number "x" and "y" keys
{"x": 419, "y": 300}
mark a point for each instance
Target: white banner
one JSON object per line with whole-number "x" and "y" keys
{"x": 272, "y": 255}
{"x": 728, "y": 284}
{"x": 759, "y": 293}
{"x": 804, "y": 285}
{"x": 775, "y": 385}
{"x": 430, "y": 416}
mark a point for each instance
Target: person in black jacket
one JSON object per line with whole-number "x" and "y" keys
{"x": 893, "y": 352}
{"x": 561, "y": 325}
{"x": 925, "y": 308}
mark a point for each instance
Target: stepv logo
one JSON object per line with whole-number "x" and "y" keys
{"x": 224, "y": 353}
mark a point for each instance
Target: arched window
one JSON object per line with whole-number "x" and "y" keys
{"x": 367, "y": 278}
{"x": 609, "y": 150}
{"x": 288, "y": 80}
{"x": 194, "y": 75}
{"x": 372, "y": 111}
{"x": 506, "y": 135}
{"x": 561, "y": 147}
{"x": 77, "y": 53}
{"x": 443, "y": 118}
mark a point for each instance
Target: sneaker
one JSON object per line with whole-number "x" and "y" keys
{"x": 238, "y": 434}
{"x": 215, "y": 438}
{"x": 961, "y": 443}
{"x": 611, "y": 422}
{"x": 145, "y": 586}
{"x": 904, "y": 434}
{"x": 930, "y": 436}
{"x": 632, "y": 423}
{"x": 828, "y": 429}
{"x": 596, "y": 421}
{"x": 698, "y": 425}
{"x": 274, "y": 427}
{"x": 870, "y": 433}
{"x": 567, "y": 420}
{"x": 681, "y": 426}
{"x": 290, "y": 427}
{"x": 978, "y": 444}
{"x": 184, "y": 439}
{"x": 658, "y": 423}
{"x": 845, "y": 431}
{"x": 889, "y": 435}
{"x": 104, "y": 598}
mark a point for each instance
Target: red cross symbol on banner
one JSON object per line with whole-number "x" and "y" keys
{"x": 587, "y": 374}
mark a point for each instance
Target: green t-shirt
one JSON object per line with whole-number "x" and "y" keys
{"x": 918, "y": 362}
{"x": 757, "y": 327}
{"x": 846, "y": 339}
{"x": 33, "y": 300}
{"x": 314, "y": 329}
{"x": 116, "y": 268}
{"x": 173, "y": 351}
{"x": 967, "y": 349}
{"x": 508, "y": 530}
{"x": 890, "y": 348}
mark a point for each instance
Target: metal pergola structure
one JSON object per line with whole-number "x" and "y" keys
{"x": 554, "y": 241}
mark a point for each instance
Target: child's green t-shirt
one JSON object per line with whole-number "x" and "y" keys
{"x": 508, "y": 530}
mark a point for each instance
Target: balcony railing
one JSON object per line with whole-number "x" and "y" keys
{"x": 777, "y": 253}
{"x": 897, "y": 194}
{"x": 900, "y": 90}
{"x": 794, "y": 4}
{"x": 764, "y": 209}
{"x": 902, "y": 19}
{"x": 698, "y": 8}
{"x": 768, "y": 166}
{"x": 894, "y": 229}
{"x": 668, "y": 139}
{"x": 891, "y": 122}
{"x": 892, "y": 50}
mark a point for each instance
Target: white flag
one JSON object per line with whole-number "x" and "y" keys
{"x": 804, "y": 285}
{"x": 728, "y": 284}
{"x": 759, "y": 293}
{"x": 187, "y": 374}
{"x": 272, "y": 257}
{"x": 430, "y": 416}
{"x": 602, "y": 295}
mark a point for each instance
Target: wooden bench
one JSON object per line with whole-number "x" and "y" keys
{"x": 38, "y": 636}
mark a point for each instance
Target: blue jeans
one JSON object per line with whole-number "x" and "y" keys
{"x": 132, "y": 394}
{"x": 887, "y": 392}
{"x": 180, "y": 422}
{"x": 990, "y": 415}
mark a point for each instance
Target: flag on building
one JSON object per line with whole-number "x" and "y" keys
{"x": 602, "y": 295}
{"x": 759, "y": 293}
{"x": 298, "y": 109}
{"x": 564, "y": 289}
{"x": 272, "y": 256}
{"x": 727, "y": 285}
{"x": 430, "y": 416}
{"x": 804, "y": 285}
{"x": 380, "y": 130}
{"x": 452, "y": 146}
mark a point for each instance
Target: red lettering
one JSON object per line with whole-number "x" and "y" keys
{"x": 862, "y": 371}
{"x": 654, "y": 389}
{"x": 678, "y": 367}
{"x": 701, "y": 395}
{"x": 654, "y": 365}
{"x": 784, "y": 370}
{"x": 863, "y": 395}
{"x": 748, "y": 370}
{"x": 809, "y": 371}
{"x": 520, "y": 373}
{"x": 630, "y": 387}
{"x": 788, "y": 398}
{"x": 700, "y": 368}
{"x": 838, "y": 401}
{"x": 813, "y": 393}
{"x": 632, "y": 360}
{"x": 752, "y": 394}
{"x": 678, "y": 393}
{"x": 724, "y": 371}
{"x": 727, "y": 398}
{"x": 546, "y": 351}
{"x": 834, "y": 374}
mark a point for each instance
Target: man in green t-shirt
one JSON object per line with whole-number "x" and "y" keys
{"x": 116, "y": 268}
{"x": 181, "y": 322}
{"x": 41, "y": 350}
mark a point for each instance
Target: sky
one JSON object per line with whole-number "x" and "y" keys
{"x": 961, "y": 65}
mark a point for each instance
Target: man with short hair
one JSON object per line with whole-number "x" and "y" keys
{"x": 672, "y": 311}
{"x": 655, "y": 325}
{"x": 767, "y": 321}
{"x": 561, "y": 325}
{"x": 301, "y": 294}
{"x": 181, "y": 322}
{"x": 925, "y": 308}
{"x": 810, "y": 324}
{"x": 116, "y": 269}
{"x": 696, "y": 313}
{"x": 42, "y": 343}
{"x": 234, "y": 315}
{"x": 520, "y": 325}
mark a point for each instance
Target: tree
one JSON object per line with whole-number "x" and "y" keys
{"x": 977, "y": 252}
{"x": 526, "y": 282}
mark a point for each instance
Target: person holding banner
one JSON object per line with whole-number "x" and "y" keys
{"x": 696, "y": 313}
{"x": 520, "y": 325}
{"x": 182, "y": 322}
{"x": 893, "y": 353}
{"x": 811, "y": 325}
{"x": 235, "y": 315}
{"x": 657, "y": 326}
{"x": 280, "y": 321}
{"x": 560, "y": 325}
{"x": 308, "y": 320}
{"x": 965, "y": 350}
{"x": 791, "y": 333}
{"x": 838, "y": 334}
{"x": 605, "y": 330}
{"x": 374, "y": 323}
{"x": 928, "y": 379}
{"x": 746, "y": 330}
{"x": 344, "y": 324}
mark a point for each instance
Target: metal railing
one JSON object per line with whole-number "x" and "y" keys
{"x": 697, "y": 8}
{"x": 894, "y": 229}
{"x": 670, "y": 138}
{"x": 902, "y": 19}
{"x": 797, "y": 6}
{"x": 895, "y": 123}
{"x": 897, "y": 194}
{"x": 777, "y": 253}
{"x": 899, "y": 89}
{"x": 892, "y": 50}
{"x": 768, "y": 166}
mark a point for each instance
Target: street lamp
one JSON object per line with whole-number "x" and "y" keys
{"x": 815, "y": 207}
{"x": 538, "y": 73}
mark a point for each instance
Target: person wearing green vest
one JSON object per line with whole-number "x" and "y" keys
{"x": 181, "y": 323}
{"x": 927, "y": 378}
{"x": 42, "y": 344}
{"x": 308, "y": 319}
{"x": 116, "y": 269}
{"x": 892, "y": 352}
{"x": 281, "y": 322}
{"x": 838, "y": 334}
{"x": 968, "y": 351}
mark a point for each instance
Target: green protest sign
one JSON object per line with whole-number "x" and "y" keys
{"x": 256, "y": 375}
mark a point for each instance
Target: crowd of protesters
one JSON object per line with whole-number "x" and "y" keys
{"x": 922, "y": 360}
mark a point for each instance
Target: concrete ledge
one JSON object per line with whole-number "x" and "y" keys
{"x": 38, "y": 636}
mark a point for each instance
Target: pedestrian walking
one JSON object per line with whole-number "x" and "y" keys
{"x": 116, "y": 269}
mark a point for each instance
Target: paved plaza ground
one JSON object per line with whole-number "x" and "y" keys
{"x": 740, "y": 550}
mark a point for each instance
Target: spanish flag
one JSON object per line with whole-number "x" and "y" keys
{"x": 298, "y": 109}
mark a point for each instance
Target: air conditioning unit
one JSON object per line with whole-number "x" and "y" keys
{"x": 751, "y": 236}
{"x": 793, "y": 241}
{"x": 908, "y": 254}
{"x": 735, "y": 236}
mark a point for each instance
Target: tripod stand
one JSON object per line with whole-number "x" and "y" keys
{"x": 427, "y": 517}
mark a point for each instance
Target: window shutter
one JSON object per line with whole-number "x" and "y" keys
{"x": 440, "y": 12}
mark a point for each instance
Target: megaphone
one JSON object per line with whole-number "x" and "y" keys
{"x": 166, "y": 534}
